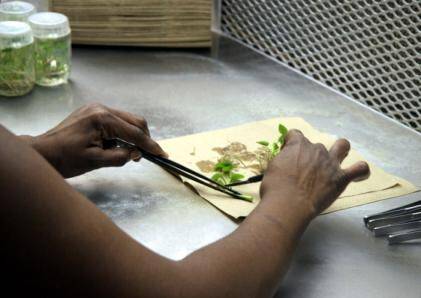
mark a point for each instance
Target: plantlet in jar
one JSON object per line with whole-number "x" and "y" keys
{"x": 52, "y": 60}
{"x": 16, "y": 71}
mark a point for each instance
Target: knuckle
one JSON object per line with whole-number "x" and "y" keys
{"x": 94, "y": 106}
{"x": 295, "y": 131}
{"x": 142, "y": 122}
{"x": 291, "y": 142}
{"x": 100, "y": 115}
{"x": 294, "y": 137}
{"x": 140, "y": 133}
{"x": 320, "y": 147}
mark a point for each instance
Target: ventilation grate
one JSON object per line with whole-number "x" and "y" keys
{"x": 367, "y": 49}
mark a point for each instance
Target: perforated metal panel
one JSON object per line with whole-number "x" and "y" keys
{"x": 367, "y": 49}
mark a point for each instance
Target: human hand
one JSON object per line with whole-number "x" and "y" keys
{"x": 75, "y": 146}
{"x": 309, "y": 173}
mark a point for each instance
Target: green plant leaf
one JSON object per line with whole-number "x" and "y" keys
{"x": 275, "y": 146}
{"x": 216, "y": 177}
{"x": 227, "y": 163}
{"x": 263, "y": 143}
{"x": 227, "y": 169}
{"x": 224, "y": 166}
{"x": 282, "y": 130}
{"x": 217, "y": 167}
{"x": 235, "y": 177}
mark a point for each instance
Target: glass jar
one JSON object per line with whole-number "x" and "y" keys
{"x": 17, "y": 75}
{"x": 52, "y": 48}
{"x": 16, "y": 11}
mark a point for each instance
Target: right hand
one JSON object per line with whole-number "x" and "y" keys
{"x": 309, "y": 173}
{"x": 75, "y": 146}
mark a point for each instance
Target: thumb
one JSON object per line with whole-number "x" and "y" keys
{"x": 115, "y": 157}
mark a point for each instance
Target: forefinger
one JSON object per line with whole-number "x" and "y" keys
{"x": 137, "y": 121}
{"x": 118, "y": 128}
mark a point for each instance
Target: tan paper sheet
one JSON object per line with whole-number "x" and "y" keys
{"x": 188, "y": 150}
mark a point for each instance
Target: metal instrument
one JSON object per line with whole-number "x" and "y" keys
{"x": 398, "y": 225}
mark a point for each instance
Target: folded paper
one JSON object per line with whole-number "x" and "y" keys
{"x": 203, "y": 147}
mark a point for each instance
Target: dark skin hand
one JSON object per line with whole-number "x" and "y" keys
{"x": 75, "y": 146}
{"x": 58, "y": 240}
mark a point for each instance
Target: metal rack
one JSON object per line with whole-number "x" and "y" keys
{"x": 365, "y": 49}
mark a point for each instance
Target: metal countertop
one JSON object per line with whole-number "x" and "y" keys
{"x": 184, "y": 92}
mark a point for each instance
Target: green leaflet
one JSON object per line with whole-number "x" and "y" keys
{"x": 275, "y": 147}
{"x": 263, "y": 143}
{"x": 224, "y": 173}
{"x": 235, "y": 177}
{"x": 283, "y": 133}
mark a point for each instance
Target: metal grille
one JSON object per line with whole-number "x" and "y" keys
{"x": 367, "y": 49}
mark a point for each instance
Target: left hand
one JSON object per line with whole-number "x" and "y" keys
{"x": 75, "y": 146}
{"x": 309, "y": 174}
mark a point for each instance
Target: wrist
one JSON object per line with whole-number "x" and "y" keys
{"x": 28, "y": 140}
{"x": 290, "y": 208}
{"x": 42, "y": 146}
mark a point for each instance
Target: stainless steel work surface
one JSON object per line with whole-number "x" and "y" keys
{"x": 182, "y": 92}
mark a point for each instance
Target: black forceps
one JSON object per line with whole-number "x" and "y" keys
{"x": 252, "y": 179}
{"x": 176, "y": 168}
{"x": 398, "y": 224}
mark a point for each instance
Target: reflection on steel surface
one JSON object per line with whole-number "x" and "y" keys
{"x": 366, "y": 49}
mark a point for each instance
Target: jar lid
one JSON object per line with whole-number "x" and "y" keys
{"x": 49, "y": 24}
{"x": 16, "y": 11}
{"x": 15, "y": 34}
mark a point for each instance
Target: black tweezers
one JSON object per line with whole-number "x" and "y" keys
{"x": 176, "y": 168}
{"x": 252, "y": 179}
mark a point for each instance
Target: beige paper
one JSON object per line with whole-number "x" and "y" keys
{"x": 188, "y": 150}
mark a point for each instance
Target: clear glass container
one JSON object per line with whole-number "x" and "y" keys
{"x": 16, "y": 11}
{"x": 52, "y": 48}
{"x": 17, "y": 74}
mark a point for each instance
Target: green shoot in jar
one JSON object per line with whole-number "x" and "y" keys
{"x": 52, "y": 60}
{"x": 16, "y": 71}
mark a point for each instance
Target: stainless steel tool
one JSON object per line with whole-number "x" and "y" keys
{"x": 398, "y": 225}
